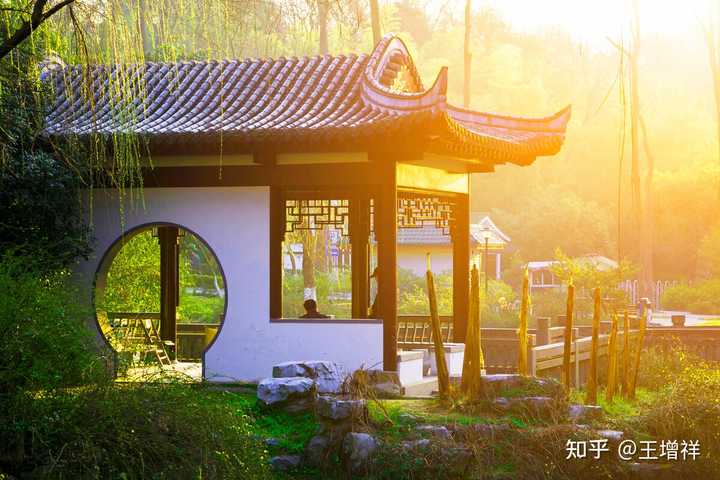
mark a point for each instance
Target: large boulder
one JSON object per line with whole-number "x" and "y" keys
{"x": 317, "y": 450}
{"x": 584, "y": 414}
{"x": 357, "y": 451}
{"x": 541, "y": 407}
{"x": 328, "y": 376}
{"x": 290, "y": 394}
{"x": 508, "y": 384}
{"x": 283, "y": 463}
{"x": 337, "y": 409}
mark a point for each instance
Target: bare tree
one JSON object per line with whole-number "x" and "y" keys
{"x": 467, "y": 56}
{"x": 323, "y": 10}
{"x": 641, "y": 191}
{"x": 34, "y": 18}
{"x": 712, "y": 42}
{"x": 375, "y": 20}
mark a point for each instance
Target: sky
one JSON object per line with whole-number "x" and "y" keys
{"x": 592, "y": 21}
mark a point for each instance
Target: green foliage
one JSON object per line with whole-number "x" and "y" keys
{"x": 133, "y": 280}
{"x": 689, "y": 409}
{"x": 45, "y": 341}
{"x": 702, "y": 297}
{"x": 134, "y": 432}
{"x": 332, "y": 289}
{"x": 40, "y": 203}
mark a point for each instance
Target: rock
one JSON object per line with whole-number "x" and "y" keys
{"x": 316, "y": 450}
{"x": 537, "y": 406}
{"x": 327, "y": 375}
{"x": 612, "y": 435}
{"x": 408, "y": 418}
{"x": 434, "y": 430}
{"x": 291, "y": 394}
{"x": 498, "y": 384}
{"x": 387, "y": 390}
{"x": 489, "y": 429}
{"x": 357, "y": 450}
{"x": 585, "y": 413}
{"x": 272, "y": 442}
{"x": 421, "y": 444}
{"x": 284, "y": 463}
{"x": 336, "y": 409}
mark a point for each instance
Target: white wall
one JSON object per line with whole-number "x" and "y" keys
{"x": 234, "y": 221}
{"x": 414, "y": 258}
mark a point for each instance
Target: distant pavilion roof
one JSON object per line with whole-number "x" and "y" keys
{"x": 431, "y": 235}
{"x": 327, "y": 102}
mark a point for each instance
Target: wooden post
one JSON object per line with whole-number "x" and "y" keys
{"x": 543, "y": 330}
{"x": 523, "y": 330}
{"x": 567, "y": 344}
{"x": 277, "y": 235}
{"x": 626, "y": 354}
{"x": 473, "y": 361}
{"x": 461, "y": 267}
{"x": 442, "y": 369}
{"x": 359, "y": 235}
{"x": 591, "y": 397}
{"x": 638, "y": 353}
{"x": 612, "y": 361}
{"x": 169, "y": 281}
{"x": 386, "y": 228}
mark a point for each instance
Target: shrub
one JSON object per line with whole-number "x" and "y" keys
{"x": 689, "y": 409}
{"x": 702, "y": 297}
{"x": 45, "y": 342}
{"x": 134, "y": 432}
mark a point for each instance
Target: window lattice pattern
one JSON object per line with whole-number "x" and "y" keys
{"x": 317, "y": 215}
{"x": 422, "y": 211}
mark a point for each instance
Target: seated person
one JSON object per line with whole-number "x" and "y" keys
{"x": 311, "y": 310}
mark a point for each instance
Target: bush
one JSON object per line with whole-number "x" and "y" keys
{"x": 132, "y": 432}
{"x": 702, "y": 297}
{"x": 45, "y": 342}
{"x": 689, "y": 409}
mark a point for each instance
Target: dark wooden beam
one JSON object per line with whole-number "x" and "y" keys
{"x": 169, "y": 281}
{"x": 359, "y": 235}
{"x": 460, "y": 232}
{"x": 277, "y": 235}
{"x": 312, "y": 175}
{"x": 386, "y": 228}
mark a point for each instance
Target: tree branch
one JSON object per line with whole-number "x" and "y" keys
{"x": 37, "y": 17}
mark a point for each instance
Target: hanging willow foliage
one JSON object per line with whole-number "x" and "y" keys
{"x": 117, "y": 32}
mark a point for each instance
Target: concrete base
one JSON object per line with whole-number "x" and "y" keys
{"x": 410, "y": 367}
{"x": 454, "y": 356}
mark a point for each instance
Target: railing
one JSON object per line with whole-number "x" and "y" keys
{"x": 702, "y": 341}
{"x": 415, "y": 332}
{"x": 191, "y": 338}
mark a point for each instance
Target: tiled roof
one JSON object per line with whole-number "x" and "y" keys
{"x": 343, "y": 99}
{"x": 431, "y": 235}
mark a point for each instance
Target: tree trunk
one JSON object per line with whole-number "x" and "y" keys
{"x": 641, "y": 197}
{"x": 711, "y": 42}
{"x": 375, "y": 20}
{"x": 323, "y": 8}
{"x": 308, "y": 269}
{"x": 467, "y": 56}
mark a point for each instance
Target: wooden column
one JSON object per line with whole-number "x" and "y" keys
{"x": 386, "y": 228}
{"x": 359, "y": 235}
{"x": 277, "y": 234}
{"x": 169, "y": 282}
{"x": 461, "y": 267}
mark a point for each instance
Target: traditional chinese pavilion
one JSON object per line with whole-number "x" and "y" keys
{"x": 245, "y": 151}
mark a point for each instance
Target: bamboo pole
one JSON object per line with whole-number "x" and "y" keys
{"x": 568, "y": 335}
{"x": 612, "y": 361}
{"x": 638, "y": 353}
{"x": 442, "y": 369}
{"x": 626, "y": 354}
{"x": 523, "y": 330}
{"x": 473, "y": 360}
{"x": 591, "y": 397}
